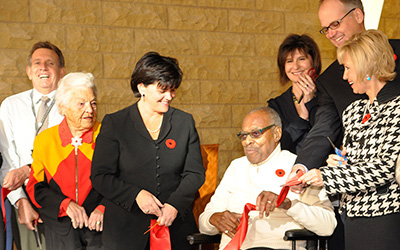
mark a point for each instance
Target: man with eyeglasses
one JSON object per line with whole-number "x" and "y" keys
{"x": 340, "y": 19}
{"x": 265, "y": 167}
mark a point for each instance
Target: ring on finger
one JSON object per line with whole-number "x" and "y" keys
{"x": 269, "y": 202}
{"x": 306, "y": 86}
{"x": 98, "y": 223}
{"x": 226, "y": 231}
{"x": 72, "y": 221}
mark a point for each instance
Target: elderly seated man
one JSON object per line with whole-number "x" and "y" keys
{"x": 257, "y": 178}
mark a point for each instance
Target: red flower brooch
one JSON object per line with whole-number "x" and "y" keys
{"x": 170, "y": 143}
{"x": 280, "y": 172}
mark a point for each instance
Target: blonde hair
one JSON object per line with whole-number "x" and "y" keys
{"x": 371, "y": 54}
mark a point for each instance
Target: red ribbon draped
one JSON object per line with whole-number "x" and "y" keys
{"x": 159, "y": 237}
{"x": 285, "y": 190}
{"x": 4, "y": 193}
{"x": 241, "y": 231}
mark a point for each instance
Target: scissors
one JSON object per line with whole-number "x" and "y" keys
{"x": 337, "y": 151}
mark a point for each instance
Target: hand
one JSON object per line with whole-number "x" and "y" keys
{"x": 226, "y": 222}
{"x": 26, "y": 214}
{"x": 148, "y": 203}
{"x": 168, "y": 216}
{"x": 307, "y": 85}
{"x": 96, "y": 220}
{"x": 16, "y": 177}
{"x": 266, "y": 203}
{"x": 300, "y": 188}
{"x": 78, "y": 215}
{"x": 335, "y": 160}
{"x": 313, "y": 177}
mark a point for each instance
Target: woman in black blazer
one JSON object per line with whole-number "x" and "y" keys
{"x": 147, "y": 162}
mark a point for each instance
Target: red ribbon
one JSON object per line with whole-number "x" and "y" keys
{"x": 285, "y": 190}
{"x": 241, "y": 231}
{"x": 159, "y": 237}
{"x": 4, "y": 193}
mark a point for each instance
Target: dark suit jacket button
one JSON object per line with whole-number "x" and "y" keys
{"x": 157, "y": 157}
{"x": 158, "y": 166}
{"x": 158, "y": 184}
{"x": 157, "y": 175}
{"x": 157, "y": 147}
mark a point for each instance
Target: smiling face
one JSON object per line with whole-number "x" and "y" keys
{"x": 359, "y": 86}
{"x": 81, "y": 112}
{"x": 333, "y": 10}
{"x": 45, "y": 71}
{"x": 258, "y": 150}
{"x": 155, "y": 98}
{"x": 296, "y": 63}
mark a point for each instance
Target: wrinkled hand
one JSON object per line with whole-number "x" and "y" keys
{"x": 168, "y": 216}
{"x": 300, "y": 188}
{"x": 266, "y": 203}
{"x": 78, "y": 215}
{"x": 148, "y": 203}
{"x": 307, "y": 85}
{"x": 312, "y": 177}
{"x": 335, "y": 160}
{"x": 16, "y": 177}
{"x": 226, "y": 222}
{"x": 26, "y": 214}
{"x": 96, "y": 220}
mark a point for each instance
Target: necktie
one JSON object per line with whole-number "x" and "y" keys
{"x": 241, "y": 231}
{"x": 42, "y": 114}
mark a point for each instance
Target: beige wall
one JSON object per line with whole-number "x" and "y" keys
{"x": 226, "y": 48}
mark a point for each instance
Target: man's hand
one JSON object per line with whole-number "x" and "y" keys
{"x": 226, "y": 222}
{"x": 26, "y": 214}
{"x": 96, "y": 220}
{"x": 78, "y": 215}
{"x": 16, "y": 177}
{"x": 298, "y": 189}
{"x": 266, "y": 203}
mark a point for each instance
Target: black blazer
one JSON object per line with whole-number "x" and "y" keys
{"x": 127, "y": 160}
{"x": 334, "y": 95}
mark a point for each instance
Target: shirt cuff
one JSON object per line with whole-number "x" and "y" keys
{"x": 15, "y": 195}
{"x": 63, "y": 207}
{"x": 101, "y": 208}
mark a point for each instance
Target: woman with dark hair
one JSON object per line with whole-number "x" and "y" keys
{"x": 299, "y": 62}
{"x": 147, "y": 162}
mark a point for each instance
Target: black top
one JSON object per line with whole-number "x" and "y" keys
{"x": 294, "y": 128}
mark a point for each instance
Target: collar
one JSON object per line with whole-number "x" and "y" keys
{"x": 37, "y": 95}
{"x": 272, "y": 157}
{"x": 390, "y": 91}
{"x": 66, "y": 135}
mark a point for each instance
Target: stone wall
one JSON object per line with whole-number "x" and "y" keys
{"x": 226, "y": 48}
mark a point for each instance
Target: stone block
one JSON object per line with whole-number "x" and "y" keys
{"x": 268, "y": 45}
{"x": 256, "y": 22}
{"x": 188, "y": 92}
{"x": 84, "y": 61}
{"x": 166, "y": 42}
{"x": 227, "y": 44}
{"x": 204, "y": 67}
{"x": 135, "y": 15}
{"x": 83, "y": 38}
{"x": 71, "y": 11}
{"x": 13, "y": 62}
{"x": 114, "y": 91}
{"x": 239, "y": 112}
{"x": 231, "y": 4}
{"x": 392, "y": 28}
{"x": 391, "y": 9}
{"x": 225, "y": 137}
{"x": 25, "y": 35}
{"x": 271, "y": 89}
{"x": 187, "y": 18}
{"x": 118, "y": 65}
{"x": 208, "y": 116}
{"x": 14, "y": 11}
{"x": 220, "y": 92}
{"x": 287, "y": 5}
{"x": 301, "y": 23}
{"x": 253, "y": 68}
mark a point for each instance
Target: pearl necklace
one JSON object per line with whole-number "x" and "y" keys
{"x": 155, "y": 131}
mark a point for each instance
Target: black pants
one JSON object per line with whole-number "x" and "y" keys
{"x": 372, "y": 233}
{"x": 76, "y": 239}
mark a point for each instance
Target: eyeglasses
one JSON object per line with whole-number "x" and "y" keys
{"x": 253, "y": 134}
{"x": 334, "y": 25}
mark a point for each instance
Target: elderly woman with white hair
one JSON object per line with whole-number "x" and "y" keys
{"x": 59, "y": 184}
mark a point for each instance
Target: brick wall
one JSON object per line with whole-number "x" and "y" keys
{"x": 226, "y": 48}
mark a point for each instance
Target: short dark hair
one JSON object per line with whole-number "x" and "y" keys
{"x": 305, "y": 45}
{"x": 349, "y": 3}
{"x": 152, "y": 68}
{"x": 47, "y": 45}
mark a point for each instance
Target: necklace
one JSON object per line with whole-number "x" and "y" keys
{"x": 155, "y": 131}
{"x": 295, "y": 99}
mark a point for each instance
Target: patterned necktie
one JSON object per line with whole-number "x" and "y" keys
{"x": 41, "y": 114}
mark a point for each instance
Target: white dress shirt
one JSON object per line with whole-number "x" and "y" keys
{"x": 243, "y": 182}
{"x": 17, "y": 131}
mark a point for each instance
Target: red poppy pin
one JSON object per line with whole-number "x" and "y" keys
{"x": 280, "y": 172}
{"x": 170, "y": 143}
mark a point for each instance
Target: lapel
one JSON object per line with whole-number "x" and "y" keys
{"x": 139, "y": 126}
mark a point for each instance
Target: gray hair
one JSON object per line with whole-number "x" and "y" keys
{"x": 349, "y": 3}
{"x": 270, "y": 112}
{"x": 70, "y": 82}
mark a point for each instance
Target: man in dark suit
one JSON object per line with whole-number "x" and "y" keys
{"x": 340, "y": 19}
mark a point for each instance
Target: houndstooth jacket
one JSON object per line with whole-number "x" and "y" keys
{"x": 368, "y": 179}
